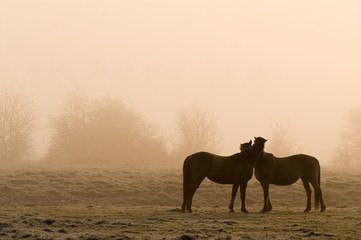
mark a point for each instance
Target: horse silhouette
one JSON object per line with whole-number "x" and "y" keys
{"x": 286, "y": 171}
{"x": 234, "y": 169}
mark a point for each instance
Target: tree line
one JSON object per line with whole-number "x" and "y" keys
{"x": 101, "y": 130}
{"x": 104, "y": 130}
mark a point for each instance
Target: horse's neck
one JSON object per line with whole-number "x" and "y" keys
{"x": 264, "y": 157}
{"x": 266, "y": 154}
{"x": 257, "y": 155}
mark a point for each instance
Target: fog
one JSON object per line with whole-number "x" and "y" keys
{"x": 253, "y": 64}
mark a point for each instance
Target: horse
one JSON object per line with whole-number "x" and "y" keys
{"x": 237, "y": 168}
{"x": 242, "y": 147}
{"x": 286, "y": 171}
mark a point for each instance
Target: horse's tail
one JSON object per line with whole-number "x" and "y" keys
{"x": 317, "y": 193}
{"x": 186, "y": 181}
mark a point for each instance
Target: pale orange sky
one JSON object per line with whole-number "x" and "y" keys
{"x": 251, "y": 63}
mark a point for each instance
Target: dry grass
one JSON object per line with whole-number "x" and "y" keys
{"x": 105, "y": 203}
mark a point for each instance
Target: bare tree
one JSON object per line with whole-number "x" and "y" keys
{"x": 196, "y": 130}
{"x": 342, "y": 156}
{"x": 349, "y": 151}
{"x": 281, "y": 143}
{"x": 103, "y": 131}
{"x": 69, "y": 129}
{"x": 17, "y": 125}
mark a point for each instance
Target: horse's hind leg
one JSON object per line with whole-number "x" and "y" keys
{"x": 185, "y": 199}
{"x": 193, "y": 188}
{"x": 269, "y": 204}
{"x": 308, "y": 190}
{"x": 318, "y": 196}
{"x": 323, "y": 206}
{"x": 185, "y": 195}
{"x": 234, "y": 194}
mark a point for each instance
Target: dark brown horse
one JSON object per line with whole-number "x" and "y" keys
{"x": 286, "y": 171}
{"x": 242, "y": 147}
{"x": 237, "y": 168}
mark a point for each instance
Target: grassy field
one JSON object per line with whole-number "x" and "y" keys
{"x": 113, "y": 203}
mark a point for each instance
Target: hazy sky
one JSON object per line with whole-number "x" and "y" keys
{"x": 251, "y": 63}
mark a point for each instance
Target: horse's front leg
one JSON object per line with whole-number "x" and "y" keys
{"x": 234, "y": 194}
{"x": 265, "y": 187}
{"x": 243, "y": 187}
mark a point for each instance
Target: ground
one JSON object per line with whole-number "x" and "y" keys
{"x": 112, "y": 203}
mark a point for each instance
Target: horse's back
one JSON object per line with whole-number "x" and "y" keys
{"x": 210, "y": 158}
{"x": 201, "y": 157}
{"x": 307, "y": 166}
{"x": 297, "y": 159}
{"x": 219, "y": 169}
{"x": 305, "y": 161}
{"x": 287, "y": 170}
{"x": 199, "y": 163}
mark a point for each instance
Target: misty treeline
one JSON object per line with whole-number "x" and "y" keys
{"x": 102, "y": 130}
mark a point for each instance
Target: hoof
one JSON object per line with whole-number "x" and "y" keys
{"x": 245, "y": 211}
{"x": 307, "y": 210}
{"x": 231, "y": 210}
{"x": 186, "y": 210}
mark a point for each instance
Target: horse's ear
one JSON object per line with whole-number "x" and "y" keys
{"x": 250, "y": 142}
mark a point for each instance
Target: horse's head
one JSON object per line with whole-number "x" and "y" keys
{"x": 259, "y": 141}
{"x": 244, "y": 146}
{"x": 258, "y": 145}
{"x": 255, "y": 151}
